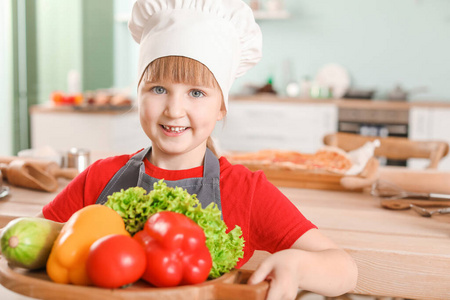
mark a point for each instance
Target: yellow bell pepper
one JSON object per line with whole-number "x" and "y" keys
{"x": 67, "y": 260}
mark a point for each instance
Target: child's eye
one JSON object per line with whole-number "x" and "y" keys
{"x": 158, "y": 90}
{"x": 196, "y": 93}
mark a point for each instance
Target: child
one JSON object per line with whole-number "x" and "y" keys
{"x": 190, "y": 53}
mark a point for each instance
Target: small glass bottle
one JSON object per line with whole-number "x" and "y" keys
{"x": 305, "y": 88}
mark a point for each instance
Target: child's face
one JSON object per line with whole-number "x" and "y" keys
{"x": 178, "y": 118}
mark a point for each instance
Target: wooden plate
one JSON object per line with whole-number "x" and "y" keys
{"x": 37, "y": 284}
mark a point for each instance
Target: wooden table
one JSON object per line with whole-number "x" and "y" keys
{"x": 25, "y": 202}
{"x": 399, "y": 253}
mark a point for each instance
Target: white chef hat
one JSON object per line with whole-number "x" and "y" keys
{"x": 221, "y": 34}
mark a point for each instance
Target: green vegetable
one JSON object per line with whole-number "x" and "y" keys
{"x": 135, "y": 206}
{"x": 27, "y": 242}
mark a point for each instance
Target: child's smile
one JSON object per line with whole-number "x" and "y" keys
{"x": 174, "y": 130}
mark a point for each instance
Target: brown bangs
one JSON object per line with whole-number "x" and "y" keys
{"x": 179, "y": 69}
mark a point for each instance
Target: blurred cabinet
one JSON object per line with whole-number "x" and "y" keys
{"x": 61, "y": 129}
{"x": 252, "y": 126}
{"x": 429, "y": 123}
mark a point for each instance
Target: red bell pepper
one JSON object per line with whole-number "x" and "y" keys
{"x": 176, "y": 250}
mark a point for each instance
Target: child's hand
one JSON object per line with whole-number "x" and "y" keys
{"x": 314, "y": 263}
{"x": 282, "y": 270}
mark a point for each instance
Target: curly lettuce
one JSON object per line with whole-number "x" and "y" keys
{"x": 135, "y": 206}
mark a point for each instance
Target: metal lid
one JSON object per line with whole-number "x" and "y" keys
{"x": 78, "y": 151}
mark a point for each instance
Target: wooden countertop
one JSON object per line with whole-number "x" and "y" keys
{"x": 346, "y": 103}
{"x": 25, "y": 202}
{"x": 399, "y": 253}
{"x": 50, "y": 108}
{"x": 341, "y": 103}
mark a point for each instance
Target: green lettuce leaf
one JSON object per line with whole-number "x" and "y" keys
{"x": 135, "y": 206}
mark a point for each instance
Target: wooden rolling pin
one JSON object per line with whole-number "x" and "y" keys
{"x": 48, "y": 166}
{"x": 419, "y": 181}
{"x": 26, "y": 174}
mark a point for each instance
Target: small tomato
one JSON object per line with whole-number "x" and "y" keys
{"x": 115, "y": 260}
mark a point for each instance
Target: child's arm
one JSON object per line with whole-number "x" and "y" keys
{"x": 314, "y": 263}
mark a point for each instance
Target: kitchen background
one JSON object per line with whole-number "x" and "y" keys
{"x": 381, "y": 44}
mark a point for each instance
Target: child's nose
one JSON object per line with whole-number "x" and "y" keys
{"x": 175, "y": 107}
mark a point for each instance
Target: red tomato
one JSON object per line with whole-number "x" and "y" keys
{"x": 115, "y": 260}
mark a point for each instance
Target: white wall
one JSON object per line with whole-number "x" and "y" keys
{"x": 126, "y": 50}
{"x": 59, "y": 44}
{"x": 5, "y": 79}
{"x": 381, "y": 43}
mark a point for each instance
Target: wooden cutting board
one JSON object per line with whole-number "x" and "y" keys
{"x": 317, "y": 178}
{"x": 309, "y": 179}
{"x": 37, "y": 284}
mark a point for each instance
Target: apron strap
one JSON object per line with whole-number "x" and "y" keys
{"x": 133, "y": 172}
{"x": 125, "y": 178}
{"x": 211, "y": 165}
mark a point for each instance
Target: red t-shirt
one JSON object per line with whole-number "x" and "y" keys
{"x": 269, "y": 221}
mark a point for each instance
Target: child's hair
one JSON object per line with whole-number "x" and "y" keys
{"x": 180, "y": 69}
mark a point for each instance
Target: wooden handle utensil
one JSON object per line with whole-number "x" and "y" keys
{"x": 399, "y": 204}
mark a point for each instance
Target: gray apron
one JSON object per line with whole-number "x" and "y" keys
{"x": 133, "y": 174}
